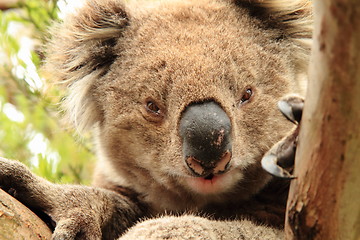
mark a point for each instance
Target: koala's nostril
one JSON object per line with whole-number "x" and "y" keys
{"x": 195, "y": 166}
{"x": 205, "y": 129}
{"x": 223, "y": 164}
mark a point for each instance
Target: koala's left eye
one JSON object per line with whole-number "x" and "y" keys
{"x": 152, "y": 107}
{"x": 246, "y": 96}
{"x": 152, "y": 111}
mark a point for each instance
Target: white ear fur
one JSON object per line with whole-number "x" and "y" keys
{"x": 81, "y": 51}
{"x": 79, "y": 104}
{"x": 294, "y": 19}
{"x": 296, "y": 15}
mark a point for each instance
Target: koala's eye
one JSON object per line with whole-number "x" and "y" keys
{"x": 152, "y": 107}
{"x": 246, "y": 96}
{"x": 152, "y": 111}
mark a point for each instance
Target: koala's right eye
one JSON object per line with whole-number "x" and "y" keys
{"x": 246, "y": 95}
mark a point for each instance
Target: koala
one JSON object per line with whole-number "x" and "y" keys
{"x": 181, "y": 98}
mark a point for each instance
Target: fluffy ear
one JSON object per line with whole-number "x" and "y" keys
{"x": 80, "y": 51}
{"x": 293, "y": 19}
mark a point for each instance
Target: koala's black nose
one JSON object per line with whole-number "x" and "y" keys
{"x": 205, "y": 130}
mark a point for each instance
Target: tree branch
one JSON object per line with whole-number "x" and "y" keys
{"x": 324, "y": 199}
{"x": 18, "y": 222}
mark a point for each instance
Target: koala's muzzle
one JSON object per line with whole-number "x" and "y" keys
{"x": 205, "y": 130}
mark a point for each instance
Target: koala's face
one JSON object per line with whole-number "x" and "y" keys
{"x": 191, "y": 100}
{"x": 182, "y": 95}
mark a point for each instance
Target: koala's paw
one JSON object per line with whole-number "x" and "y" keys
{"x": 79, "y": 224}
{"x": 279, "y": 160}
{"x": 55, "y": 201}
{"x": 12, "y": 173}
{"x": 170, "y": 227}
{"x": 18, "y": 181}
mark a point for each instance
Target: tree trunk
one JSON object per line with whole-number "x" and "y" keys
{"x": 324, "y": 200}
{"x": 18, "y": 222}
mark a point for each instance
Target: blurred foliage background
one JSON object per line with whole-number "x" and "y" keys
{"x": 30, "y": 126}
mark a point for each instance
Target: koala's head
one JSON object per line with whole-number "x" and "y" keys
{"x": 182, "y": 95}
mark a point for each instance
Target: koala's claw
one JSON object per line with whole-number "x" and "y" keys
{"x": 279, "y": 160}
{"x": 270, "y": 164}
{"x": 281, "y": 156}
{"x": 292, "y": 106}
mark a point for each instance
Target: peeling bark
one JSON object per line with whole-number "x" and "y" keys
{"x": 18, "y": 222}
{"x": 324, "y": 200}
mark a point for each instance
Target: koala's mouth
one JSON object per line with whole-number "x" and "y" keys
{"x": 211, "y": 184}
{"x": 209, "y": 177}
